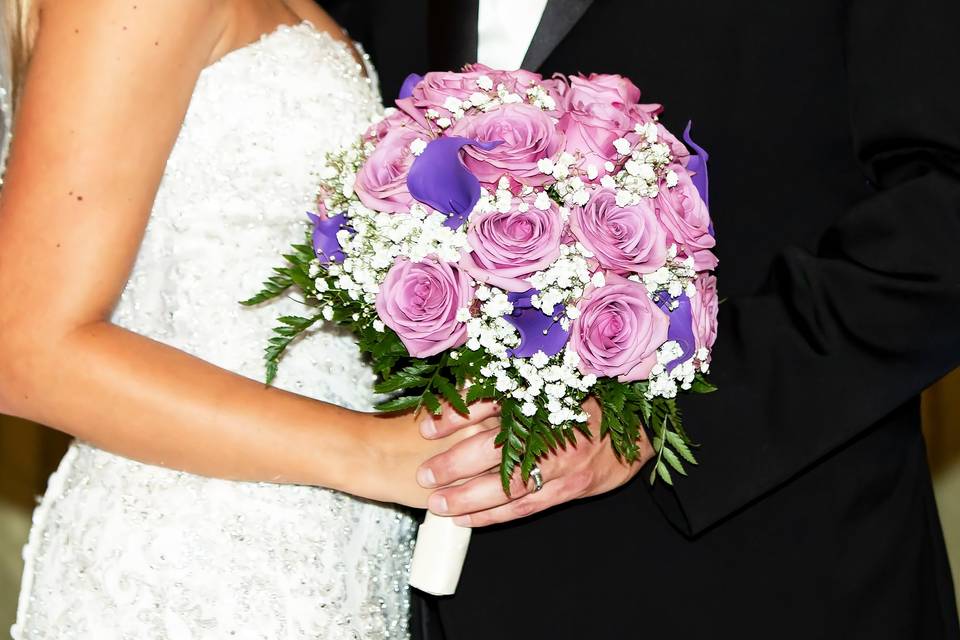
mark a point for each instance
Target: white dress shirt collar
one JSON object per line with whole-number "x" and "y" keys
{"x": 505, "y": 29}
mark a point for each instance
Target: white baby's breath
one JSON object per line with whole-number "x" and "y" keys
{"x": 417, "y": 146}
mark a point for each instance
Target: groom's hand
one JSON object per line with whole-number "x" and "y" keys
{"x": 587, "y": 469}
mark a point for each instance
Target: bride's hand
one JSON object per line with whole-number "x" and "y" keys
{"x": 585, "y": 469}
{"x": 399, "y": 446}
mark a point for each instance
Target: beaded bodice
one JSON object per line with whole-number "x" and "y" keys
{"x": 234, "y": 196}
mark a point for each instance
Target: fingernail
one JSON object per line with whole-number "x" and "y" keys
{"x": 425, "y": 478}
{"x": 437, "y": 504}
{"x": 462, "y": 521}
{"x": 427, "y": 428}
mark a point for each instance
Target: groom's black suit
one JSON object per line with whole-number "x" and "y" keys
{"x": 834, "y": 134}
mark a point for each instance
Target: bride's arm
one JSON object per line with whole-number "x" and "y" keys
{"x": 105, "y": 95}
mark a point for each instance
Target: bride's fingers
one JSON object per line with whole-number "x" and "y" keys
{"x": 464, "y": 460}
{"x": 451, "y": 420}
{"x": 479, "y": 494}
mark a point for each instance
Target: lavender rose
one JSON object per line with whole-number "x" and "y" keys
{"x": 683, "y": 213}
{"x": 517, "y": 81}
{"x": 510, "y": 246}
{"x": 528, "y": 134}
{"x": 435, "y": 87}
{"x": 599, "y": 109}
{"x": 382, "y": 180}
{"x": 420, "y": 300}
{"x": 396, "y": 119}
{"x": 619, "y": 330}
{"x": 677, "y": 149}
{"x": 623, "y": 239}
{"x": 703, "y": 308}
{"x": 557, "y": 88}
{"x": 598, "y": 87}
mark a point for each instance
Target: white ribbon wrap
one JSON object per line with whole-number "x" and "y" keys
{"x": 439, "y": 555}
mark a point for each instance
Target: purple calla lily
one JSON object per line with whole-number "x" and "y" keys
{"x": 697, "y": 164}
{"x": 439, "y": 179}
{"x": 406, "y": 89}
{"x": 681, "y": 326}
{"x": 326, "y": 246}
{"x": 538, "y": 331}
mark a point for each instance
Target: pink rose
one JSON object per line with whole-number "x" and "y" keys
{"x": 557, "y": 88}
{"x": 599, "y": 87}
{"x": 677, "y": 149}
{"x": 520, "y": 81}
{"x": 684, "y": 215}
{"x": 619, "y": 330}
{"x": 419, "y": 116}
{"x": 623, "y": 239}
{"x": 419, "y": 300}
{"x": 514, "y": 81}
{"x": 382, "y": 180}
{"x": 528, "y": 135}
{"x": 703, "y": 308}
{"x": 509, "y": 246}
{"x": 437, "y": 86}
{"x": 395, "y": 120}
{"x": 598, "y": 110}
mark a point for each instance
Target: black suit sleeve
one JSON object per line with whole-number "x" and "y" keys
{"x": 839, "y": 338}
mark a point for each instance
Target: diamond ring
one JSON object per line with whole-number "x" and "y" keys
{"x": 537, "y": 478}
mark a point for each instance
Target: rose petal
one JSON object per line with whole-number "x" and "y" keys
{"x": 420, "y": 300}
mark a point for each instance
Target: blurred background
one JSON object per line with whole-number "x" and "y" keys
{"x": 29, "y": 454}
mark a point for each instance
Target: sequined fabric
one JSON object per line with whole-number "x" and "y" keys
{"x": 125, "y": 550}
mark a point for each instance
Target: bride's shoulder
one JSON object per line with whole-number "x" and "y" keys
{"x": 189, "y": 30}
{"x": 176, "y": 11}
{"x": 102, "y": 102}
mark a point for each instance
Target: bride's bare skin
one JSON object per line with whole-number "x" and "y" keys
{"x": 105, "y": 95}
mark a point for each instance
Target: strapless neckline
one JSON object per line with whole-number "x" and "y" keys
{"x": 262, "y": 41}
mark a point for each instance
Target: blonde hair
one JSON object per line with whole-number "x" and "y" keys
{"x": 16, "y": 27}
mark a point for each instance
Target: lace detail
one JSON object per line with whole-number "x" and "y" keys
{"x": 121, "y": 549}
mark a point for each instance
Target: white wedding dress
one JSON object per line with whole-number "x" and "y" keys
{"x": 123, "y": 550}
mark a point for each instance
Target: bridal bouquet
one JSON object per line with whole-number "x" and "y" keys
{"x": 532, "y": 241}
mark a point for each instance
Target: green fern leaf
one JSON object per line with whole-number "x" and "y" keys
{"x": 403, "y": 403}
{"x": 681, "y": 447}
{"x": 431, "y": 403}
{"x": 672, "y": 460}
{"x": 663, "y": 473}
{"x": 451, "y": 395}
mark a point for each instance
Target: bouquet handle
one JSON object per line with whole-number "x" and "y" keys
{"x": 439, "y": 555}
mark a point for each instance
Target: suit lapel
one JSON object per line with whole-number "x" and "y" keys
{"x": 557, "y": 21}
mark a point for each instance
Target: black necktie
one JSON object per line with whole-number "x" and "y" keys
{"x": 452, "y": 33}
